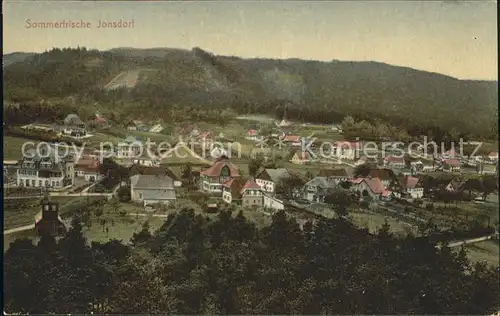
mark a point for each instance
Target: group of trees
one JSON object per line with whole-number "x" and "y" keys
{"x": 312, "y": 91}
{"x": 193, "y": 265}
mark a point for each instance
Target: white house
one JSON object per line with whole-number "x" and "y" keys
{"x": 273, "y": 203}
{"x": 146, "y": 160}
{"x": 156, "y": 129}
{"x": 152, "y": 189}
{"x": 346, "y": 150}
{"x": 412, "y": 186}
{"x": 268, "y": 178}
{"x": 130, "y": 147}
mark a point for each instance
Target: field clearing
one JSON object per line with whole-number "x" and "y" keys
{"x": 12, "y": 147}
{"x": 19, "y": 213}
{"x": 374, "y": 222}
{"x": 488, "y": 251}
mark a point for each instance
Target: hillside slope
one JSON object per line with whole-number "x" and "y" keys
{"x": 313, "y": 90}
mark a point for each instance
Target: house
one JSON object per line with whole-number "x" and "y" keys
{"x": 493, "y": 156}
{"x": 455, "y": 185}
{"x": 74, "y": 131}
{"x": 220, "y": 172}
{"x": 252, "y": 134}
{"x": 130, "y": 147}
{"x": 99, "y": 120}
{"x": 284, "y": 123}
{"x": 411, "y": 186}
{"x": 337, "y": 175}
{"x": 394, "y": 162}
{"x": 371, "y": 187}
{"x": 147, "y": 159}
{"x": 346, "y": 150}
{"x": 293, "y": 140}
{"x": 45, "y": 169}
{"x": 449, "y": 154}
{"x": 272, "y": 203}
{"x": 152, "y": 189}
{"x": 317, "y": 189}
{"x": 88, "y": 168}
{"x": 268, "y": 179}
{"x": 48, "y": 222}
{"x": 74, "y": 120}
{"x": 161, "y": 170}
{"x": 243, "y": 192}
{"x": 158, "y": 128}
{"x": 218, "y": 152}
{"x": 302, "y": 157}
{"x": 450, "y": 165}
{"x": 137, "y": 125}
{"x": 205, "y": 140}
{"x": 387, "y": 176}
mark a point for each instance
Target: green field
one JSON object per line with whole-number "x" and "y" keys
{"x": 19, "y": 213}
{"x": 487, "y": 251}
{"x": 12, "y": 147}
{"x": 374, "y": 222}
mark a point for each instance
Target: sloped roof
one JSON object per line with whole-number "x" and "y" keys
{"x": 383, "y": 174}
{"x": 321, "y": 182}
{"x": 409, "y": 182}
{"x": 452, "y": 162}
{"x": 375, "y": 185}
{"x": 291, "y": 138}
{"x": 143, "y": 170}
{"x": 216, "y": 168}
{"x": 152, "y": 181}
{"x": 157, "y": 194}
{"x": 235, "y": 187}
{"x": 275, "y": 175}
{"x": 394, "y": 159}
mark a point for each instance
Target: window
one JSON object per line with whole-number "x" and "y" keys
{"x": 27, "y": 182}
{"x": 40, "y": 183}
{"x": 140, "y": 195}
{"x": 33, "y": 183}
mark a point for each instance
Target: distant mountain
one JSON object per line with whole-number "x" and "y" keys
{"x": 11, "y": 58}
{"x": 313, "y": 90}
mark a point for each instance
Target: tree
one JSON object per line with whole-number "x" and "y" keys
{"x": 254, "y": 165}
{"x": 187, "y": 171}
{"x": 362, "y": 171}
{"x": 340, "y": 199}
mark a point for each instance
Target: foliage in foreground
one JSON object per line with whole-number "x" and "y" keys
{"x": 192, "y": 265}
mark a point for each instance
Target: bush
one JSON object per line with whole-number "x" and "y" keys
{"x": 123, "y": 194}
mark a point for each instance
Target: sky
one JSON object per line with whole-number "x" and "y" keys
{"x": 458, "y": 39}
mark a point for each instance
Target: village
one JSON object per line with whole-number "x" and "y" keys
{"x": 260, "y": 167}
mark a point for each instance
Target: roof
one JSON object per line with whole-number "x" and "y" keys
{"x": 152, "y": 181}
{"x": 291, "y": 138}
{"x": 452, "y": 162}
{"x": 394, "y": 159}
{"x": 456, "y": 184}
{"x": 375, "y": 185}
{"x": 303, "y": 155}
{"x": 252, "y": 132}
{"x": 162, "y": 170}
{"x": 205, "y": 134}
{"x": 409, "y": 182}
{"x": 236, "y": 186}
{"x": 493, "y": 154}
{"x": 275, "y": 175}
{"x": 382, "y": 174}
{"x": 450, "y": 152}
{"x": 334, "y": 173}
{"x": 321, "y": 182}
{"x": 216, "y": 168}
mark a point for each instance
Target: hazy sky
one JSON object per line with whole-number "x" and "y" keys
{"x": 457, "y": 39}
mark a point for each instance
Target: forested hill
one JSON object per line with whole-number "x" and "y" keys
{"x": 315, "y": 91}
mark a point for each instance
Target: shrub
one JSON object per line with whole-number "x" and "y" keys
{"x": 123, "y": 194}
{"x": 429, "y": 206}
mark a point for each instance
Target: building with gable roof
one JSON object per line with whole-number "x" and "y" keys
{"x": 212, "y": 178}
